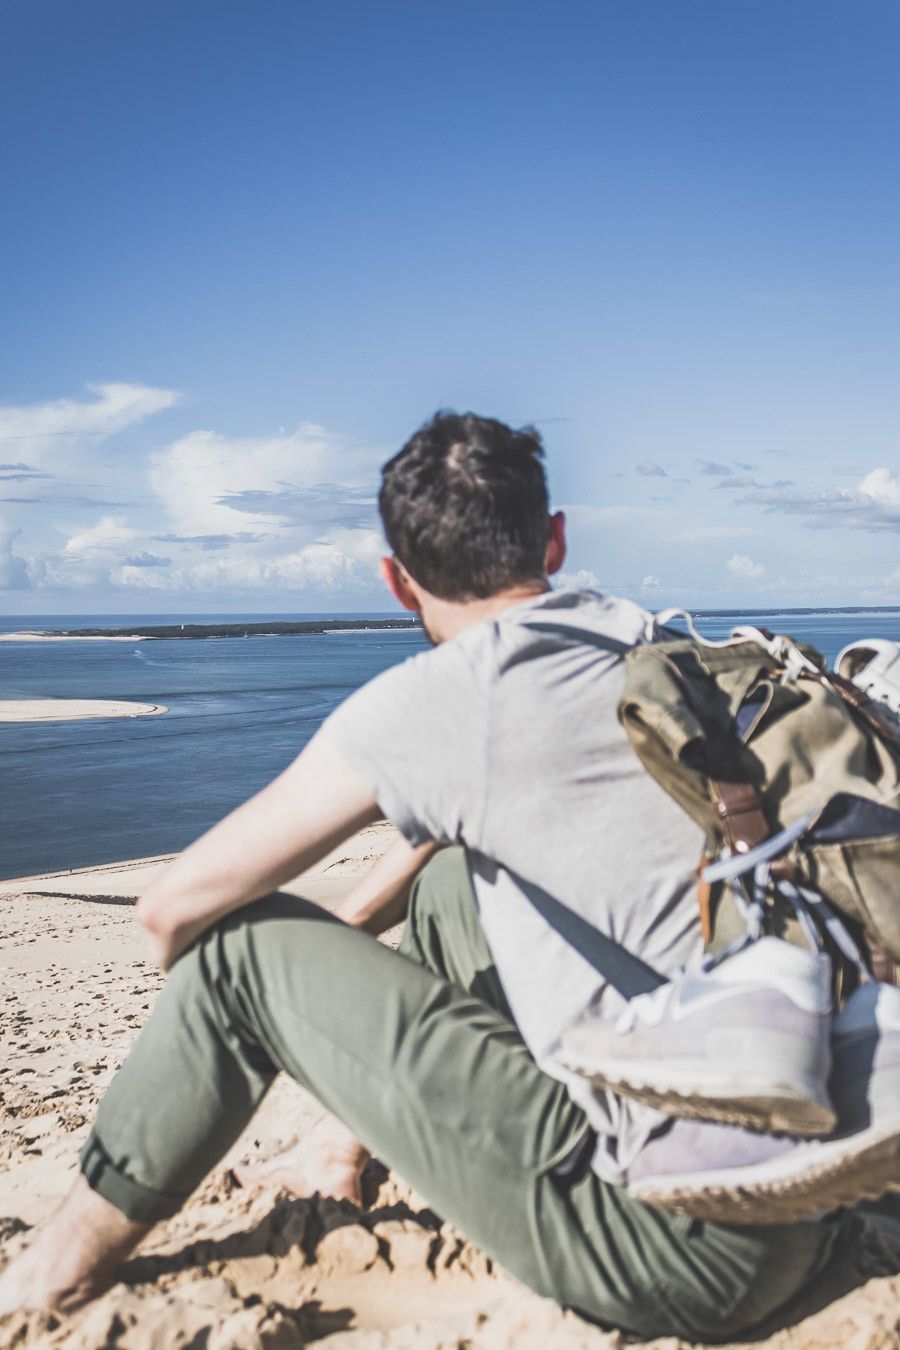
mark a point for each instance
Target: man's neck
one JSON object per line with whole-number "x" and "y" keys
{"x": 446, "y": 619}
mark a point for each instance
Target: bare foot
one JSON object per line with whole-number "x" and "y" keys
{"x": 73, "y": 1259}
{"x": 328, "y": 1161}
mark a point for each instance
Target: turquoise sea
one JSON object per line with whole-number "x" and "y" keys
{"x": 79, "y": 793}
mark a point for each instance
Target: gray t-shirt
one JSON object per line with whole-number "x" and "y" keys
{"x": 506, "y": 740}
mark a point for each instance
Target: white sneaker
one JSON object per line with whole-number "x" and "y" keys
{"x": 865, "y": 1079}
{"x": 745, "y": 1042}
{"x": 732, "y": 1175}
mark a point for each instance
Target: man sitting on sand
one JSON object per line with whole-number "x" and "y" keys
{"x": 440, "y": 1059}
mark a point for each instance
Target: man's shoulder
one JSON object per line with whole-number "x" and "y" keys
{"x": 424, "y": 679}
{"x": 575, "y": 614}
{"x": 474, "y": 659}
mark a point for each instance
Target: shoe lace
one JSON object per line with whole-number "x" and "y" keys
{"x": 750, "y": 878}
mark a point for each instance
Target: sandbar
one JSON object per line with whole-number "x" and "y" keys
{"x": 73, "y": 709}
{"x": 71, "y": 637}
{"x": 238, "y": 1270}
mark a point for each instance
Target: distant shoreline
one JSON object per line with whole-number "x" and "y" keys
{"x": 190, "y": 631}
{"x": 201, "y": 631}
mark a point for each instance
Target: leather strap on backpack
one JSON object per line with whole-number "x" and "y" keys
{"x": 884, "y": 967}
{"x": 743, "y": 826}
{"x": 740, "y": 814}
{"x": 858, "y": 700}
{"x": 705, "y": 899}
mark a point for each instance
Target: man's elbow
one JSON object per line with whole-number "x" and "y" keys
{"x": 154, "y": 918}
{"x": 164, "y": 934}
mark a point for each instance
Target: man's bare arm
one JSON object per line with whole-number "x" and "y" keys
{"x": 379, "y": 901}
{"x": 304, "y": 813}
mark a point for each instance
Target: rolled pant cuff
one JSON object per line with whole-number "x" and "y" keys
{"x": 138, "y": 1203}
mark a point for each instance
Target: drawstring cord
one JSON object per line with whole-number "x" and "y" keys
{"x": 750, "y": 878}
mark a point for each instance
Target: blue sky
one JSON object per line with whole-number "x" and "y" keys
{"x": 246, "y": 248}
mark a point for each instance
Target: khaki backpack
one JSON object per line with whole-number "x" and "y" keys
{"x": 794, "y": 774}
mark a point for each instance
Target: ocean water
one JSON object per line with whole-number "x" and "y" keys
{"x": 80, "y": 793}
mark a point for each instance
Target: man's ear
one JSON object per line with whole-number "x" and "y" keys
{"x": 556, "y": 544}
{"x": 397, "y": 582}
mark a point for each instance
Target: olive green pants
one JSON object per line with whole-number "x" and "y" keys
{"x": 417, "y": 1053}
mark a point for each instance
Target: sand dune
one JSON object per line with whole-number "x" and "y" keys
{"x": 241, "y": 1271}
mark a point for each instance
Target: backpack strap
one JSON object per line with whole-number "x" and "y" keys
{"x": 665, "y": 616}
{"x": 740, "y": 814}
{"x": 808, "y": 904}
{"x": 861, "y": 702}
{"x": 739, "y": 864}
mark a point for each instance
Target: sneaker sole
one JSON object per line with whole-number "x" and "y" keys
{"x": 843, "y": 1176}
{"x": 767, "y": 1110}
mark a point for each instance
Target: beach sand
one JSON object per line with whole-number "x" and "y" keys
{"x": 238, "y": 1270}
{"x": 67, "y": 637}
{"x": 73, "y": 709}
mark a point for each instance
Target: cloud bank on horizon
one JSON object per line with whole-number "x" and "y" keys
{"x": 91, "y": 515}
{"x": 204, "y": 515}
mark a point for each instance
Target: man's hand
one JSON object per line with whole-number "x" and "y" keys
{"x": 379, "y": 901}
{"x": 304, "y": 813}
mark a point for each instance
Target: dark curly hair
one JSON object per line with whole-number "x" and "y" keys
{"x": 464, "y": 506}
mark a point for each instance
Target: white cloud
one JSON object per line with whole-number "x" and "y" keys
{"x": 195, "y": 476}
{"x": 113, "y": 553}
{"x": 110, "y": 532}
{"x": 648, "y": 468}
{"x": 742, "y": 566}
{"x": 882, "y": 486}
{"x": 650, "y": 582}
{"x": 323, "y": 566}
{"x": 52, "y": 462}
{"x": 13, "y": 569}
{"x": 91, "y": 556}
{"x": 582, "y": 580}
{"x": 33, "y": 429}
{"x": 339, "y": 565}
{"x": 293, "y": 512}
{"x": 874, "y": 504}
{"x": 140, "y": 577}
